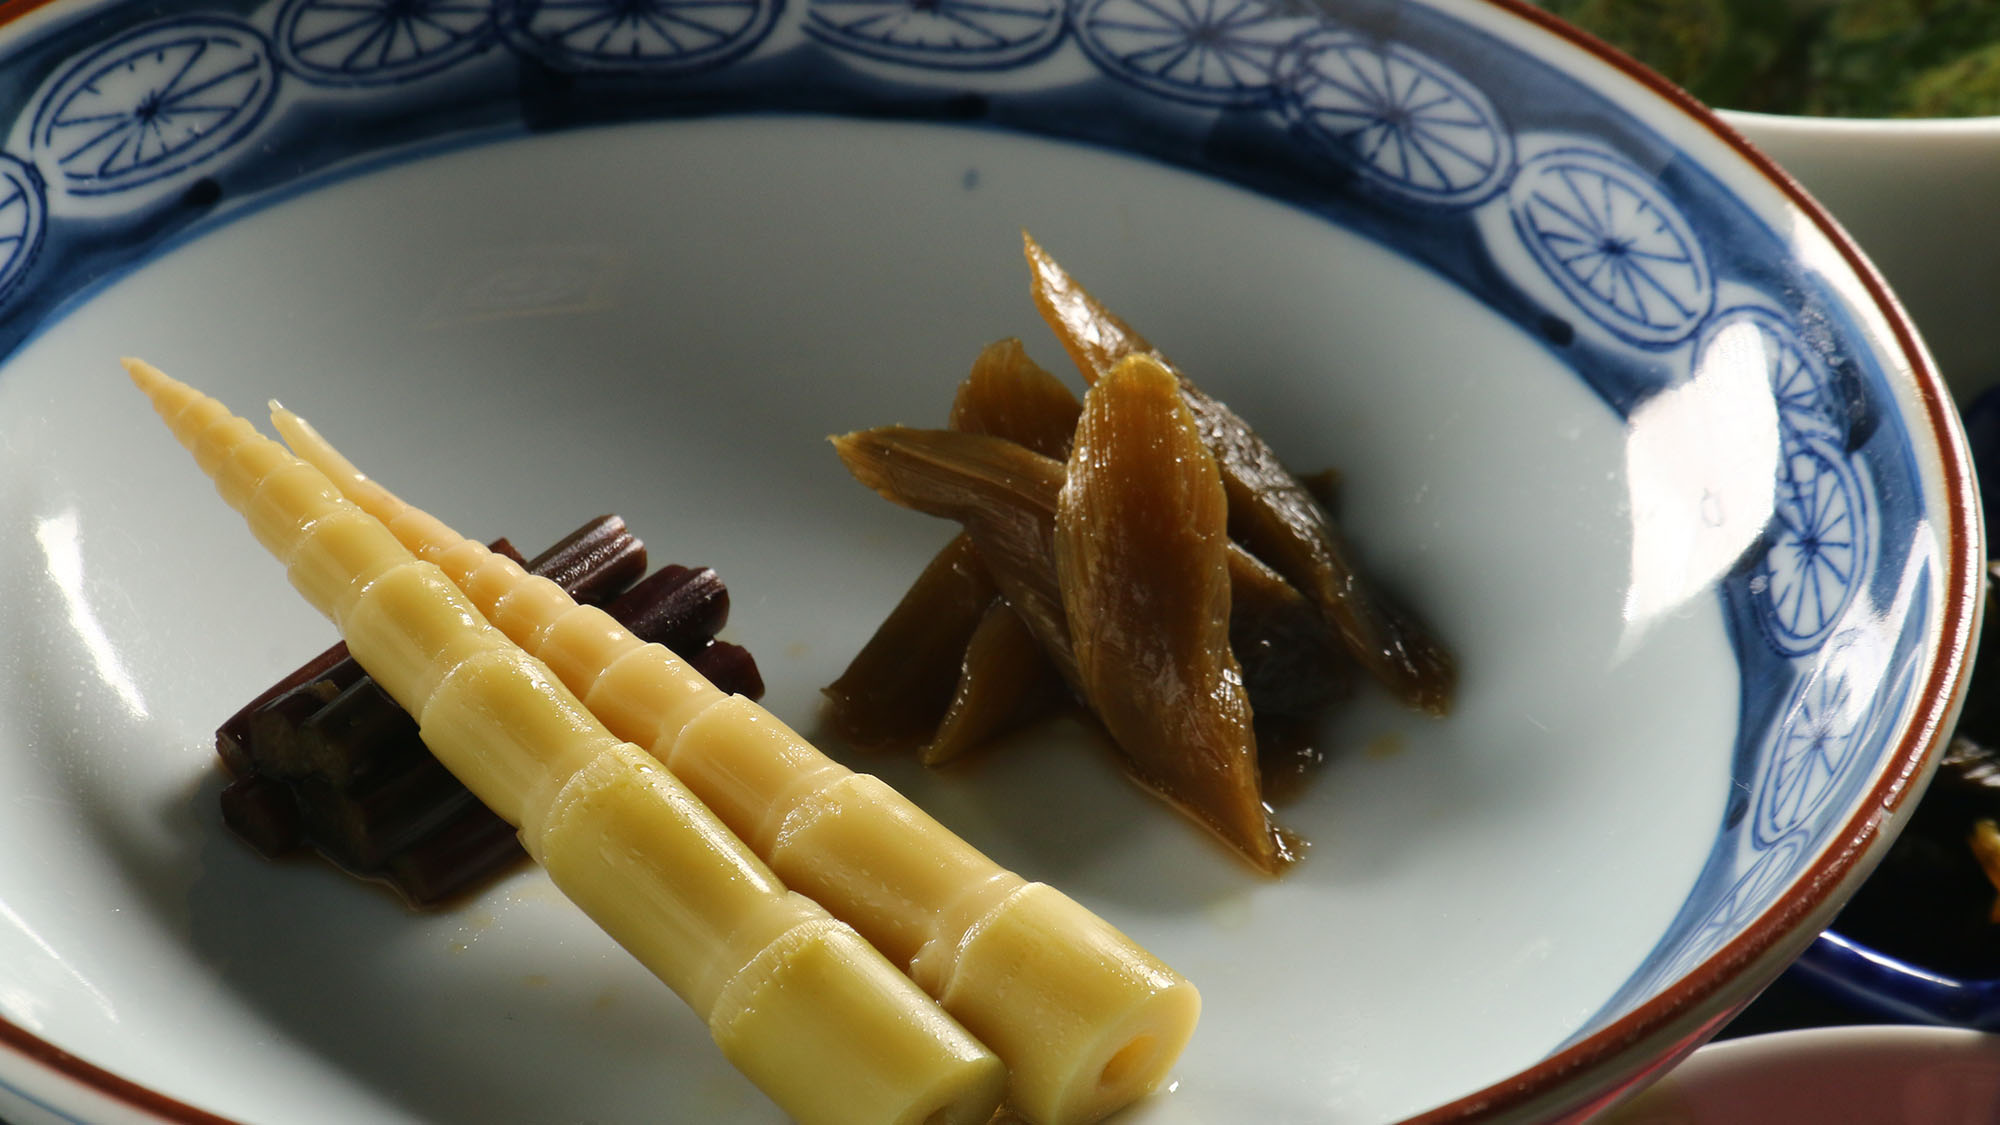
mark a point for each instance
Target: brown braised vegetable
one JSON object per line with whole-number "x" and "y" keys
{"x": 1270, "y": 511}
{"x": 1009, "y": 395}
{"x": 1004, "y": 682}
{"x": 1208, "y": 635}
{"x": 1005, "y": 496}
{"x": 325, "y": 760}
{"x": 916, "y": 675}
{"x": 897, "y": 689}
{"x": 1142, "y": 561}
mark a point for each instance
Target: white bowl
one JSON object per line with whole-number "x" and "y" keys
{"x": 1918, "y": 196}
{"x": 1880, "y": 1075}
{"x": 1615, "y": 404}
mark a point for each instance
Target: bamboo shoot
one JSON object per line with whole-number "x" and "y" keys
{"x": 1085, "y": 1019}
{"x": 798, "y": 1002}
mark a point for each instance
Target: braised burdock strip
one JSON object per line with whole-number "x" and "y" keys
{"x": 1085, "y": 1019}
{"x": 1271, "y": 511}
{"x": 1005, "y": 495}
{"x": 1008, "y": 498}
{"x": 921, "y": 678}
{"x": 799, "y": 1002}
{"x": 1142, "y": 559}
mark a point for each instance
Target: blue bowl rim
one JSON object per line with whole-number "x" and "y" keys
{"x": 1701, "y": 1001}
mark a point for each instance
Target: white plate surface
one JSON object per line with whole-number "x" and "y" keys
{"x": 673, "y": 340}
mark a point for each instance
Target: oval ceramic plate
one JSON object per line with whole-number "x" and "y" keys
{"x": 1611, "y": 404}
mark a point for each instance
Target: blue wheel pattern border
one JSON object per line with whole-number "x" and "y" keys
{"x": 1818, "y": 554}
{"x": 377, "y": 42}
{"x": 639, "y": 36}
{"x": 1405, "y": 121}
{"x": 1800, "y": 381}
{"x": 23, "y": 214}
{"x": 1826, "y": 721}
{"x": 1204, "y": 52}
{"x": 160, "y": 101}
{"x": 1613, "y": 229}
{"x": 942, "y": 34}
{"x": 1607, "y": 234}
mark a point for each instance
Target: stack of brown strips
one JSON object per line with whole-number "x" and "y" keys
{"x": 325, "y": 760}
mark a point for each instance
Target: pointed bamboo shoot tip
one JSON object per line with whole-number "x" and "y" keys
{"x": 144, "y": 374}
{"x": 311, "y": 446}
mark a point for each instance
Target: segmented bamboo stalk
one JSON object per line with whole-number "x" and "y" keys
{"x": 1085, "y": 1019}
{"x": 798, "y": 1001}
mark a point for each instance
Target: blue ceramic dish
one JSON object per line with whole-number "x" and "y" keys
{"x": 1893, "y": 988}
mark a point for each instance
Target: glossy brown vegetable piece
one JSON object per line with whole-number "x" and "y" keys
{"x": 1009, "y": 395}
{"x": 1005, "y": 681}
{"x": 1003, "y": 494}
{"x": 1270, "y": 511}
{"x": 1005, "y": 497}
{"x": 896, "y": 690}
{"x": 1142, "y": 562}
{"x": 942, "y": 671}
{"x": 1142, "y": 552}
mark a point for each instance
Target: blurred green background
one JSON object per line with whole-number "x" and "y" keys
{"x": 1828, "y": 58}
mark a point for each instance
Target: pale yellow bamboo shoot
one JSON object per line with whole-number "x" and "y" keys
{"x": 797, "y": 1000}
{"x": 1091, "y": 1021}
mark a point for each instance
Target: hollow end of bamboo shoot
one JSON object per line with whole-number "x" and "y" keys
{"x": 809, "y": 1024}
{"x": 797, "y": 1001}
{"x": 1087, "y": 1020}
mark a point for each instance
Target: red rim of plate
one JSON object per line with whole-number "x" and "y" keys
{"x": 1542, "y": 1086}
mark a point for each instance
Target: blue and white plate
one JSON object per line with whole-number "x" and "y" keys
{"x": 1615, "y": 404}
